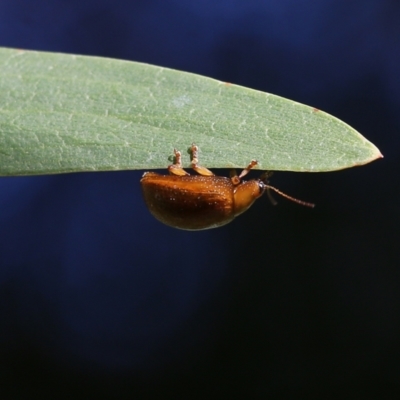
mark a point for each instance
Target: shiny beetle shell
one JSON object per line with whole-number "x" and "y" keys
{"x": 203, "y": 201}
{"x": 196, "y": 202}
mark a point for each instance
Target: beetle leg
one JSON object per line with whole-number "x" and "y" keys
{"x": 265, "y": 176}
{"x": 252, "y": 164}
{"x": 234, "y": 177}
{"x": 194, "y": 156}
{"x": 176, "y": 167}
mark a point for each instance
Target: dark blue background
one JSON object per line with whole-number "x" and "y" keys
{"x": 99, "y": 300}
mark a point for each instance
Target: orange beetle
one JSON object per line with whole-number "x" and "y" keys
{"x": 203, "y": 201}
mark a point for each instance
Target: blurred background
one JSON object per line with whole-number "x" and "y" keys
{"x": 100, "y": 300}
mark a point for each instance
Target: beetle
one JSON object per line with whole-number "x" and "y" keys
{"x": 203, "y": 201}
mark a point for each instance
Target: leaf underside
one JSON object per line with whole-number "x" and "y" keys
{"x": 66, "y": 113}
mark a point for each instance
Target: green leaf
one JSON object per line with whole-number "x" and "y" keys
{"x": 67, "y": 113}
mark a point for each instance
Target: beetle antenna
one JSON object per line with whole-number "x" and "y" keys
{"x": 273, "y": 201}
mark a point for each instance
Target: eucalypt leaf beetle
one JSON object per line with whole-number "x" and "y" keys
{"x": 205, "y": 200}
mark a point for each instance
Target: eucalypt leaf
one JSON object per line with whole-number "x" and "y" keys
{"x": 65, "y": 113}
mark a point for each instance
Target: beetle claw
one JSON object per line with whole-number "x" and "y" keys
{"x": 176, "y": 167}
{"x": 195, "y": 160}
{"x": 252, "y": 164}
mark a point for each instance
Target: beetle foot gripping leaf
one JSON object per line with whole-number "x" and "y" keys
{"x": 203, "y": 201}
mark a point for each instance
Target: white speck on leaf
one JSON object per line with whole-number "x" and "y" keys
{"x": 181, "y": 101}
